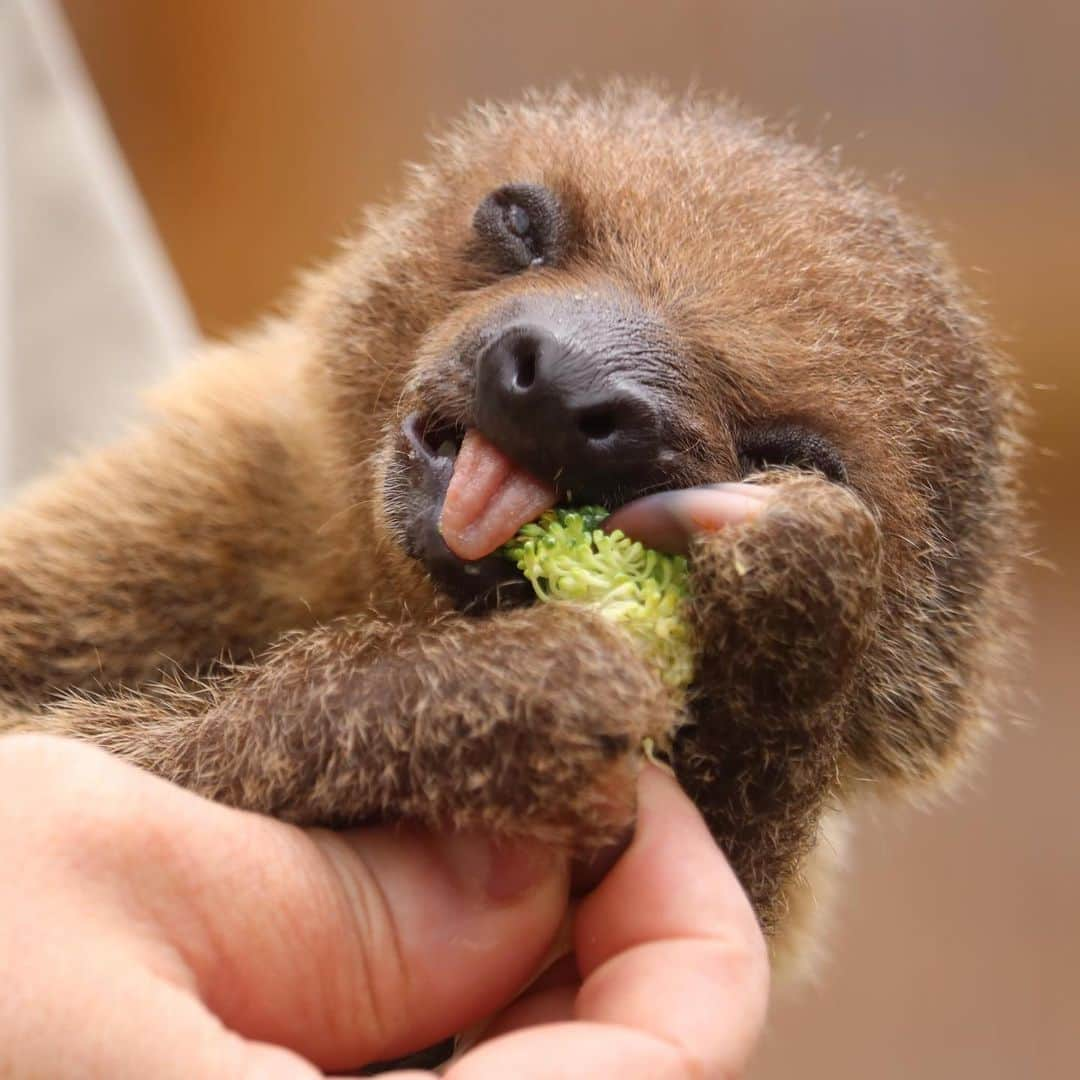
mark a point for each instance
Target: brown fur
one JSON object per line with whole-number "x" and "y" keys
{"x": 851, "y": 633}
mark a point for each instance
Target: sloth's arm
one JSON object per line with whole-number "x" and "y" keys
{"x": 785, "y": 606}
{"x": 527, "y": 722}
{"x": 187, "y": 539}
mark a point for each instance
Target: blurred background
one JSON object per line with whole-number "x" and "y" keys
{"x": 255, "y": 129}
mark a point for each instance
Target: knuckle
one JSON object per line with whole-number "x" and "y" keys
{"x": 382, "y": 984}
{"x": 22, "y": 752}
{"x": 748, "y": 952}
{"x": 45, "y": 767}
{"x": 68, "y": 792}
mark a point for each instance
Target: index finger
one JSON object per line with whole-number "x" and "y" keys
{"x": 675, "y": 967}
{"x": 669, "y": 944}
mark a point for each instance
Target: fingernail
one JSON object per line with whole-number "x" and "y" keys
{"x": 500, "y": 870}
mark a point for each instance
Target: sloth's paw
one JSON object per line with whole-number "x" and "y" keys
{"x": 785, "y": 604}
{"x": 540, "y": 732}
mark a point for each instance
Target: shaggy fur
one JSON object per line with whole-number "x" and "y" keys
{"x": 850, "y": 633}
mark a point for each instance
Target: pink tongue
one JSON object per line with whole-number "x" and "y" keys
{"x": 488, "y": 500}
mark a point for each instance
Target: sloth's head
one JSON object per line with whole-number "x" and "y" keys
{"x": 631, "y": 293}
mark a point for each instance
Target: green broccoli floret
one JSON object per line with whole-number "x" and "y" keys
{"x": 567, "y": 557}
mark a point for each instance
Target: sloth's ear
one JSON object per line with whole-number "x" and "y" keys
{"x": 520, "y": 225}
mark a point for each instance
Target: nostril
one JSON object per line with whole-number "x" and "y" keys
{"x": 524, "y": 365}
{"x": 597, "y": 424}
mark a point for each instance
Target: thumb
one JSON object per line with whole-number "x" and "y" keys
{"x": 354, "y": 946}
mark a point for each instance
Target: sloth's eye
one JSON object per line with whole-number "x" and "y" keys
{"x": 518, "y": 220}
{"x": 519, "y": 226}
{"x": 793, "y": 446}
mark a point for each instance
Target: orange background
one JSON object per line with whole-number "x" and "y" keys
{"x": 256, "y": 128}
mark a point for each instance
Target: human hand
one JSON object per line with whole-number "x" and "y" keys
{"x": 670, "y": 975}
{"x": 147, "y": 932}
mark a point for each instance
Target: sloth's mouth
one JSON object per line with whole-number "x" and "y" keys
{"x": 439, "y": 438}
{"x": 426, "y": 474}
{"x": 455, "y": 498}
{"x": 489, "y": 497}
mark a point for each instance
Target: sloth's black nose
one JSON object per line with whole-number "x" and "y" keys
{"x": 564, "y": 411}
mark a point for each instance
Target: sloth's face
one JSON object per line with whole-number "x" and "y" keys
{"x": 596, "y": 301}
{"x": 552, "y": 387}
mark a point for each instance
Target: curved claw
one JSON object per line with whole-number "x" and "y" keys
{"x": 668, "y": 521}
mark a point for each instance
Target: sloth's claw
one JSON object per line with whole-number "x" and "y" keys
{"x": 670, "y": 520}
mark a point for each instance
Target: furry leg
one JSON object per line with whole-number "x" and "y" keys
{"x": 513, "y": 723}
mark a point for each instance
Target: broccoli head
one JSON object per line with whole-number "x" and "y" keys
{"x": 568, "y": 557}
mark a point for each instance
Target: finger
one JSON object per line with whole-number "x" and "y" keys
{"x": 542, "y": 1007}
{"x": 551, "y": 997}
{"x": 668, "y": 944}
{"x": 675, "y": 964}
{"x": 667, "y": 521}
{"x": 574, "y": 1050}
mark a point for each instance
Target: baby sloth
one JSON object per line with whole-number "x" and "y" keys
{"x": 284, "y": 591}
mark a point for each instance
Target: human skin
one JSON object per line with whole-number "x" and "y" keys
{"x": 147, "y": 931}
